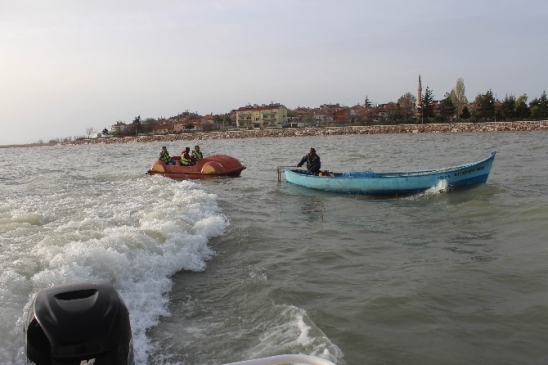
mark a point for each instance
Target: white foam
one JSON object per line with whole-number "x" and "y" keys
{"x": 441, "y": 187}
{"x": 293, "y": 332}
{"x": 134, "y": 234}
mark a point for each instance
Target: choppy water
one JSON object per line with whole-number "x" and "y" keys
{"x": 226, "y": 270}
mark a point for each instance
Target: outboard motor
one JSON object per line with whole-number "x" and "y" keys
{"x": 80, "y": 324}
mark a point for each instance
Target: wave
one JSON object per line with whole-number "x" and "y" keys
{"x": 134, "y": 234}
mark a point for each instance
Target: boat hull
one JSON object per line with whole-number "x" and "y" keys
{"x": 216, "y": 166}
{"x": 395, "y": 182}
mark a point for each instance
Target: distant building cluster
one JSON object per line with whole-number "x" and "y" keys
{"x": 409, "y": 109}
{"x": 255, "y": 116}
{"x": 247, "y": 117}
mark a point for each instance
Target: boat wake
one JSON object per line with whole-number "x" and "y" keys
{"x": 293, "y": 323}
{"x": 134, "y": 234}
{"x": 441, "y": 188}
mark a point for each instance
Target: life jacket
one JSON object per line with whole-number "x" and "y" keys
{"x": 164, "y": 157}
{"x": 197, "y": 155}
{"x": 185, "y": 159}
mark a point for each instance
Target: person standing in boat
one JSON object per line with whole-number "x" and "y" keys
{"x": 186, "y": 158}
{"x": 165, "y": 157}
{"x": 197, "y": 154}
{"x": 313, "y": 163}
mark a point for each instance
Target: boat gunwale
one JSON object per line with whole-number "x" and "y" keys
{"x": 221, "y": 174}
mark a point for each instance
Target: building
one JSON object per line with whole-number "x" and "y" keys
{"x": 119, "y": 127}
{"x": 163, "y": 129}
{"x": 342, "y": 115}
{"x": 263, "y": 116}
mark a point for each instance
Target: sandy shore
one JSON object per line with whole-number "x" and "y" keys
{"x": 331, "y": 131}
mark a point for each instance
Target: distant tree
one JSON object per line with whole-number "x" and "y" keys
{"x": 291, "y": 113}
{"x": 89, "y": 131}
{"x": 367, "y": 102}
{"x": 458, "y": 97}
{"x": 206, "y": 127}
{"x": 136, "y": 124}
{"x": 427, "y": 105}
{"x": 393, "y": 113}
{"x": 227, "y": 120}
{"x": 534, "y": 108}
{"x": 361, "y": 115}
{"x": 189, "y": 126}
{"x": 543, "y": 106}
{"x": 465, "y": 113}
{"x": 307, "y": 115}
{"x": 522, "y": 110}
{"x": 105, "y": 132}
{"x": 438, "y": 118}
{"x": 485, "y": 106}
{"x": 148, "y": 125}
{"x": 447, "y": 110}
{"x": 508, "y": 106}
{"x": 407, "y": 103}
{"x": 539, "y": 107}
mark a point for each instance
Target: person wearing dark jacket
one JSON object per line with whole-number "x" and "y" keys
{"x": 313, "y": 163}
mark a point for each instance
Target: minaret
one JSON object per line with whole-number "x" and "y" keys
{"x": 419, "y": 91}
{"x": 419, "y": 100}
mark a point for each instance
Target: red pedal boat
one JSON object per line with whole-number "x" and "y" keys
{"x": 206, "y": 168}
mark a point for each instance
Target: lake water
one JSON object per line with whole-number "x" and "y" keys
{"x": 232, "y": 269}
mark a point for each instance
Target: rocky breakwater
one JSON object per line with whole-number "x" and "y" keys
{"x": 330, "y": 131}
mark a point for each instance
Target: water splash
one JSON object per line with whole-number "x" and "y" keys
{"x": 134, "y": 234}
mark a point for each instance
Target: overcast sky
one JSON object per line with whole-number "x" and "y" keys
{"x": 68, "y": 65}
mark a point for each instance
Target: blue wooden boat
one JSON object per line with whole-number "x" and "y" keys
{"x": 394, "y": 182}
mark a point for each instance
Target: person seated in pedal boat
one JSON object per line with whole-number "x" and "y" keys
{"x": 165, "y": 157}
{"x": 197, "y": 154}
{"x": 186, "y": 158}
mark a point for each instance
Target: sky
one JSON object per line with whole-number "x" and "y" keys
{"x": 70, "y": 65}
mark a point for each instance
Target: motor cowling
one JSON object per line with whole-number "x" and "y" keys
{"x": 81, "y": 324}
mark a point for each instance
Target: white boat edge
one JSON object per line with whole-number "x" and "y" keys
{"x": 285, "y": 359}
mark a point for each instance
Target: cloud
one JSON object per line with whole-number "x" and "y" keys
{"x": 68, "y": 65}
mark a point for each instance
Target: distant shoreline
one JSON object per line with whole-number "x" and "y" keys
{"x": 523, "y": 126}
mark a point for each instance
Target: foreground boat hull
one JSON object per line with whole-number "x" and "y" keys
{"x": 395, "y": 182}
{"x": 209, "y": 167}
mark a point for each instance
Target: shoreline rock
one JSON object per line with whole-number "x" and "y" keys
{"x": 522, "y": 126}
{"x": 334, "y": 131}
